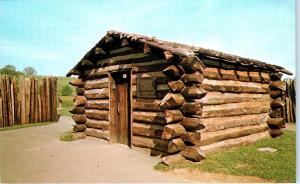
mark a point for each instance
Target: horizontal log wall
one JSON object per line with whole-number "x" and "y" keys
{"x": 278, "y": 95}
{"x": 237, "y": 104}
{"x": 33, "y": 100}
{"x": 192, "y": 106}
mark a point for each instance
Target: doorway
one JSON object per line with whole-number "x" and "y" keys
{"x": 120, "y": 107}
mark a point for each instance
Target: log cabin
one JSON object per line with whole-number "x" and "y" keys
{"x": 175, "y": 100}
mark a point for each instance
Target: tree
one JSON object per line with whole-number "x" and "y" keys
{"x": 29, "y": 71}
{"x": 9, "y": 70}
{"x": 66, "y": 90}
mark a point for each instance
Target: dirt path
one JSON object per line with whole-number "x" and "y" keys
{"x": 36, "y": 155}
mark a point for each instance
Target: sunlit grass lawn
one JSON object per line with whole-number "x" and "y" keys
{"x": 247, "y": 161}
{"x": 66, "y": 105}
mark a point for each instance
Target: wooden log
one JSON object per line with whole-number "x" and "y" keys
{"x": 77, "y": 110}
{"x": 79, "y": 101}
{"x": 231, "y": 109}
{"x": 144, "y": 104}
{"x": 79, "y": 118}
{"x": 222, "y": 74}
{"x": 213, "y": 137}
{"x": 96, "y": 83}
{"x": 172, "y": 130}
{"x": 171, "y": 101}
{"x": 192, "y": 124}
{"x": 97, "y": 133}
{"x": 80, "y": 91}
{"x": 172, "y": 159}
{"x": 191, "y": 108}
{"x": 102, "y": 104}
{"x": 97, "y": 93}
{"x": 1, "y": 111}
{"x": 153, "y": 143}
{"x": 168, "y": 55}
{"x": 43, "y": 100}
{"x": 27, "y": 103}
{"x": 86, "y": 63}
{"x": 234, "y": 86}
{"x": 147, "y": 130}
{"x": 77, "y": 82}
{"x": 149, "y": 117}
{"x": 176, "y": 145}
{"x": 275, "y": 76}
{"x": 161, "y": 118}
{"x": 97, "y": 124}
{"x": 192, "y": 78}
{"x": 54, "y": 99}
{"x": 193, "y": 153}
{"x": 124, "y": 42}
{"x": 191, "y": 138}
{"x": 48, "y": 86}
{"x": 79, "y": 128}
{"x": 193, "y": 92}
{"x": 127, "y": 59}
{"x": 78, "y": 135}
{"x": 278, "y": 85}
{"x": 169, "y": 146}
{"x": 277, "y": 103}
{"x": 276, "y": 94}
{"x": 9, "y": 101}
{"x": 276, "y": 113}
{"x": 99, "y": 51}
{"x": 173, "y": 116}
{"x": 216, "y": 98}
{"x": 73, "y": 72}
{"x": 176, "y": 86}
{"x": 97, "y": 114}
{"x": 275, "y": 123}
{"x": 192, "y": 64}
{"x": 229, "y": 143}
{"x": 275, "y": 132}
{"x": 173, "y": 72}
{"x": 147, "y": 49}
{"x": 150, "y": 66}
{"x": 220, "y": 123}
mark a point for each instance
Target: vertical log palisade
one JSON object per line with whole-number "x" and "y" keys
{"x": 185, "y": 101}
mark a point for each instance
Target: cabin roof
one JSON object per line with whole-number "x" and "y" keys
{"x": 186, "y": 51}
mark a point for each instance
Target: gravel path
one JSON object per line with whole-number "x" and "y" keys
{"x": 37, "y": 155}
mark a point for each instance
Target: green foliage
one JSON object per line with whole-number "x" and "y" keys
{"x": 29, "y": 71}
{"x": 62, "y": 81}
{"x": 279, "y": 166}
{"x": 10, "y": 70}
{"x": 66, "y": 105}
{"x": 66, "y": 90}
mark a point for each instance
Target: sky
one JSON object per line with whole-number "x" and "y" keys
{"x": 52, "y": 36}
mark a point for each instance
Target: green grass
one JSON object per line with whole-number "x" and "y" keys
{"x": 61, "y": 82}
{"x": 67, "y": 136}
{"x": 24, "y": 126}
{"x": 66, "y": 105}
{"x": 247, "y": 161}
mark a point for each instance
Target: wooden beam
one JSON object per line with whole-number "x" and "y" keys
{"x": 232, "y": 109}
{"x": 216, "y": 98}
{"x": 234, "y": 86}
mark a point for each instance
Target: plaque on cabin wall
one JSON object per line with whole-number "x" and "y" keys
{"x": 146, "y": 87}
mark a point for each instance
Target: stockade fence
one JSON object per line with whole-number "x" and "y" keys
{"x": 290, "y": 101}
{"x": 27, "y": 100}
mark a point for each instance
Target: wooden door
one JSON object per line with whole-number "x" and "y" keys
{"x": 120, "y": 107}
